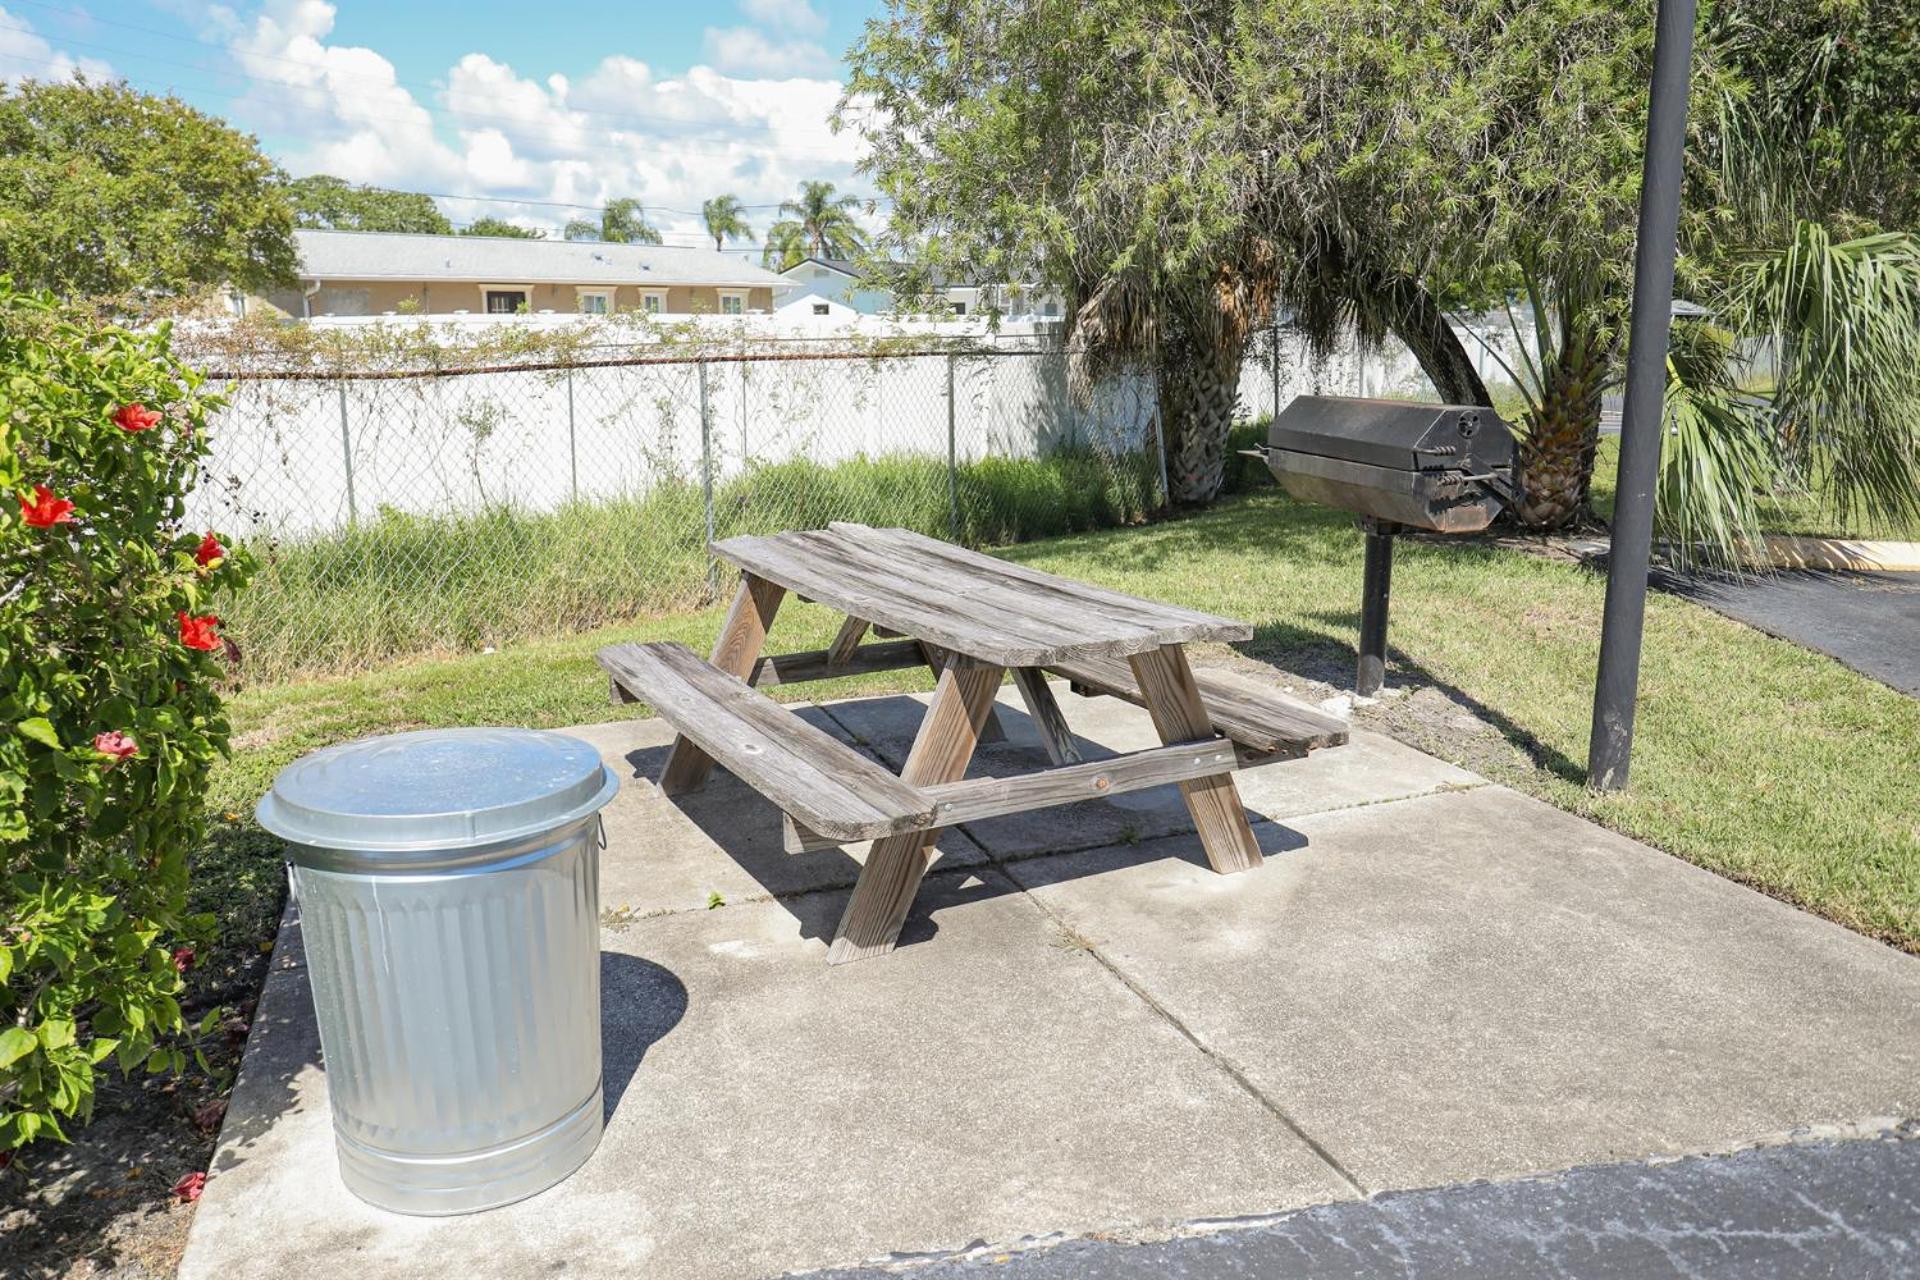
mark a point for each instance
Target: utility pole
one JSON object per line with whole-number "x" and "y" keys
{"x": 1610, "y": 748}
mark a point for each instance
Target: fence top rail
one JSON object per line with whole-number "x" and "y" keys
{"x": 562, "y": 366}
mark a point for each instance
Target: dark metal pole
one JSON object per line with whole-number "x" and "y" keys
{"x": 1610, "y": 748}
{"x": 1375, "y": 590}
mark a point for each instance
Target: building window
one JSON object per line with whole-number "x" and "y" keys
{"x": 822, "y": 309}
{"x": 1050, "y": 310}
{"x": 506, "y": 302}
{"x": 733, "y": 304}
{"x": 593, "y": 304}
{"x": 654, "y": 303}
{"x": 959, "y": 308}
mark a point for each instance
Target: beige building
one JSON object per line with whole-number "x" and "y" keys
{"x": 370, "y": 273}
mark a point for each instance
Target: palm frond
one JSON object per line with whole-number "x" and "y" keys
{"x": 1843, "y": 321}
{"x": 1719, "y": 452}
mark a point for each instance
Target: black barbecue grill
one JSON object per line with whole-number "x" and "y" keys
{"x": 1445, "y": 468}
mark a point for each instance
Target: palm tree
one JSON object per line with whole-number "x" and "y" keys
{"x": 785, "y": 247}
{"x": 1791, "y": 274}
{"x": 826, "y": 221}
{"x": 622, "y": 221}
{"x": 725, "y": 218}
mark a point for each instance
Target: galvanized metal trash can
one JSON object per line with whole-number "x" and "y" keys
{"x": 448, "y": 885}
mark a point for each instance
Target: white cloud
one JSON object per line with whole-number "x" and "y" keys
{"x": 25, "y": 55}
{"x": 492, "y": 133}
{"x": 792, "y": 15}
{"x": 747, "y": 51}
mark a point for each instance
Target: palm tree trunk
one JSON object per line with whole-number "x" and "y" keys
{"x": 1562, "y": 434}
{"x": 1199, "y": 387}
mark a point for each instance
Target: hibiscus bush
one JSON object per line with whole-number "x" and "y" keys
{"x": 110, "y": 711}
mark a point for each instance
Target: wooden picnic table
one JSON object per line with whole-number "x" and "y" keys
{"x": 971, "y": 618}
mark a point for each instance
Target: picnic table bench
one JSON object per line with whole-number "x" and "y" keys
{"x": 971, "y": 618}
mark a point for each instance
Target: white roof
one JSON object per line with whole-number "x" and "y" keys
{"x": 383, "y": 255}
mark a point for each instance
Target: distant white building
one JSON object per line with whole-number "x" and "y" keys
{"x": 839, "y": 280}
{"x": 371, "y": 273}
{"x": 814, "y": 308}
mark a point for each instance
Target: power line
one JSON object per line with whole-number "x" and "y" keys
{"x": 323, "y": 67}
{"x": 69, "y": 64}
{"x": 456, "y": 118}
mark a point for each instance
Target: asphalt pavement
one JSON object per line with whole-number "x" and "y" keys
{"x": 1826, "y": 1209}
{"x": 1869, "y": 621}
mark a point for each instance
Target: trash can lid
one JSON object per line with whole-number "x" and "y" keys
{"x": 392, "y": 798}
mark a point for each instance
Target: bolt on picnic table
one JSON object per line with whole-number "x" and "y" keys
{"x": 972, "y": 618}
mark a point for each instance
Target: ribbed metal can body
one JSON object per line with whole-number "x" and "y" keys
{"x": 457, "y": 982}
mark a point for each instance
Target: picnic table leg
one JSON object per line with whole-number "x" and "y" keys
{"x": 1179, "y": 715}
{"x": 938, "y": 658}
{"x": 896, "y": 864}
{"x": 1045, "y": 710}
{"x": 738, "y": 647}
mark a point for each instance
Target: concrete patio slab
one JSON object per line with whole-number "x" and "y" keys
{"x": 1431, "y": 980}
{"x": 723, "y": 839}
{"x": 768, "y": 1113}
{"x": 1370, "y": 769}
{"x": 1477, "y": 985}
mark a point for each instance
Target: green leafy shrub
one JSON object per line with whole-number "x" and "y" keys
{"x": 109, "y": 707}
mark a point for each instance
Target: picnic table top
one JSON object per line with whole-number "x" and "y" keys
{"x": 961, "y": 600}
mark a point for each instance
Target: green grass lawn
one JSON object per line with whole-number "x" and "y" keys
{"x": 1755, "y": 758}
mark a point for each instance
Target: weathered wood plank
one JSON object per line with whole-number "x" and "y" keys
{"x": 972, "y": 799}
{"x": 993, "y": 611}
{"x": 734, "y": 650}
{"x": 1264, "y": 722}
{"x": 826, "y": 784}
{"x": 895, "y": 866}
{"x": 847, "y": 641}
{"x": 1179, "y": 715}
{"x": 1045, "y": 710}
{"x": 1169, "y": 623}
{"x": 813, "y": 664}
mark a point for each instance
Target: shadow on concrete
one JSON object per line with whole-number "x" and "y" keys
{"x": 812, "y": 885}
{"x": 640, "y": 1002}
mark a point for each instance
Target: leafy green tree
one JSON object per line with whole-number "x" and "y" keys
{"x": 726, "y": 220}
{"x": 106, "y": 191}
{"x": 331, "y": 203}
{"x": 1183, "y": 169}
{"x": 501, "y": 227}
{"x": 110, "y": 703}
{"x": 622, "y": 221}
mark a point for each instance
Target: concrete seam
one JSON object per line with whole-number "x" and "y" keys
{"x": 1212, "y": 1055}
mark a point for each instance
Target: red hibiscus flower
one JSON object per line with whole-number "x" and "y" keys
{"x": 199, "y": 633}
{"x": 209, "y": 553}
{"x": 136, "y": 417}
{"x": 182, "y": 959}
{"x": 189, "y": 1188}
{"x": 116, "y": 744}
{"x": 43, "y": 510}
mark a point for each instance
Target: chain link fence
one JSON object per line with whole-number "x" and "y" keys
{"x": 419, "y": 511}
{"x": 439, "y": 507}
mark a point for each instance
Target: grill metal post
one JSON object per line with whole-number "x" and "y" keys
{"x": 1375, "y": 591}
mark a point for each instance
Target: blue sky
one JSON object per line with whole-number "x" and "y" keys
{"x": 512, "y": 110}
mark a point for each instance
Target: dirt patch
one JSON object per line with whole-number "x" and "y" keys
{"x": 104, "y": 1205}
